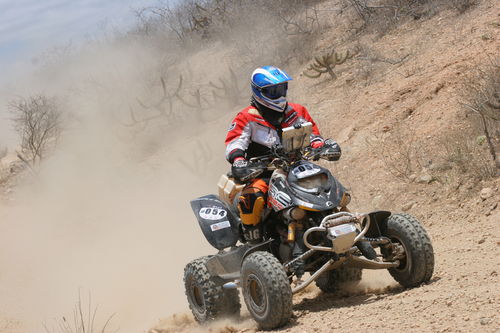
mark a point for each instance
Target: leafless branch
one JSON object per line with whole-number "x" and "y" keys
{"x": 38, "y": 120}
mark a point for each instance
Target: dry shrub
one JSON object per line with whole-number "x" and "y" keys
{"x": 287, "y": 26}
{"x": 480, "y": 95}
{"x": 371, "y": 64}
{"x": 382, "y": 16}
{"x": 467, "y": 155}
{"x": 399, "y": 150}
{"x": 462, "y": 5}
{"x": 37, "y": 119}
{"x": 83, "y": 320}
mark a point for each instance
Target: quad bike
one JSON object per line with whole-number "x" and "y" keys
{"x": 306, "y": 228}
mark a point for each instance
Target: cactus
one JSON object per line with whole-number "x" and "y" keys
{"x": 228, "y": 90}
{"x": 198, "y": 101}
{"x": 325, "y": 64}
{"x": 163, "y": 107}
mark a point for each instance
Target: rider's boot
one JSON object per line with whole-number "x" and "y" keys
{"x": 251, "y": 205}
{"x": 252, "y": 233}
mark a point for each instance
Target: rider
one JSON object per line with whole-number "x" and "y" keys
{"x": 254, "y": 131}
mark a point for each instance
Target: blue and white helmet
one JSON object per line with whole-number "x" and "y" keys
{"x": 269, "y": 86}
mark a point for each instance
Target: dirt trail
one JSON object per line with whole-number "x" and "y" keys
{"x": 463, "y": 295}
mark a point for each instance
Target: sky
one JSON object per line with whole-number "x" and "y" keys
{"x": 28, "y": 27}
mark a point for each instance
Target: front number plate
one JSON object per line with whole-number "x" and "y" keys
{"x": 342, "y": 229}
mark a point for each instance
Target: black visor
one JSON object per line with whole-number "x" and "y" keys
{"x": 276, "y": 91}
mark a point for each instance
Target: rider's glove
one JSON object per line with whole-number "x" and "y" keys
{"x": 242, "y": 171}
{"x": 331, "y": 150}
{"x": 317, "y": 144}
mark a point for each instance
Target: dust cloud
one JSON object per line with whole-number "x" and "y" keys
{"x": 375, "y": 281}
{"x": 185, "y": 323}
{"x": 108, "y": 212}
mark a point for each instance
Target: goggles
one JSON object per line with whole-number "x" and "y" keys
{"x": 275, "y": 91}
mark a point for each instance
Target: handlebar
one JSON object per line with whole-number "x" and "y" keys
{"x": 279, "y": 158}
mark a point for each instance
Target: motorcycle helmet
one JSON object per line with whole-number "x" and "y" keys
{"x": 269, "y": 87}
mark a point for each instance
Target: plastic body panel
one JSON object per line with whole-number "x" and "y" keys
{"x": 217, "y": 222}
{"x": 285, "y": 192}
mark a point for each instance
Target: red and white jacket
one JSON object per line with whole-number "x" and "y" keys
{"x": 250, "y": 135}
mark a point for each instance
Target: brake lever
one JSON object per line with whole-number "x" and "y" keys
{"x": 313, "y": 154}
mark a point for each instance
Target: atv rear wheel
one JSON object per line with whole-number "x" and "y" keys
{"x": 266, "y": 290}
{"x": 207, "y": 299}
{"x": 417, "y": 265}
{"x": 338, "y": 279}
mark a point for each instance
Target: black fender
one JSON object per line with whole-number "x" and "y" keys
{"x": 227, "y": 265}
{"x": 264, "y": 246}
{"x": 377, "y": 223}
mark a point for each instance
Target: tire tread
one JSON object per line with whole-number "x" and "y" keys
{"x": 421, "y": 248}
{"x": 278, "y": 288}
{"x": 219, "y": 302}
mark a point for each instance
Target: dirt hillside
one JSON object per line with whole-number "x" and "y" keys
{"x": 395, "y": 108}
{"x": 461, "y": 215}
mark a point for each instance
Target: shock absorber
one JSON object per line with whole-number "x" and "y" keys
{"x": 291, "y": 232}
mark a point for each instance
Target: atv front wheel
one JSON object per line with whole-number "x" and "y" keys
{"x": 417, "y": 264}
{"x": 207, "y": 299}
{"x": 338, "y": 279}
{"x": 266, "y": 290}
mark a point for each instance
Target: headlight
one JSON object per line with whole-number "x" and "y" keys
{"x": 314, "y": 182}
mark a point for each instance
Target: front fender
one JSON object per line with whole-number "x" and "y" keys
{"x": 377, "y": 223}
{"x": 227, "y": 265}
{"x": 264, "y": 246}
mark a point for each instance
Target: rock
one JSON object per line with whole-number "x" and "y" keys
{"x": 377, "y": 201}
{"x": 412, "y": 177}
{"x": 484, "y": 321}
{"x": 486, "y": 193}
{"x": 407, "y": 206}
{"x": 424, "y": 179}
{"x": 441, "y": 167}
{"x": 481, "y": 241}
